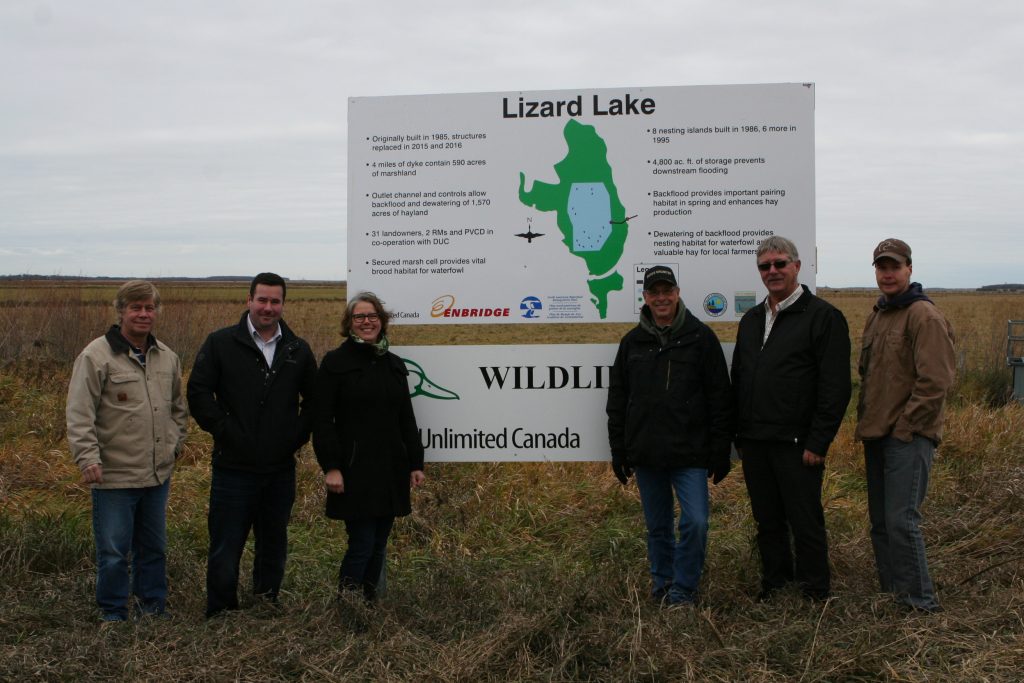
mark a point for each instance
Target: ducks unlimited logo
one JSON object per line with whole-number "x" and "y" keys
{"x": 422, "y": 385}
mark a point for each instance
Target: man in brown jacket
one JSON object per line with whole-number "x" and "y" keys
{"x": 906, "y": 368}
{"x": 126, "y": 420}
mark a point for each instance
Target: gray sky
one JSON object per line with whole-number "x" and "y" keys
{"x": 197, "y": 138}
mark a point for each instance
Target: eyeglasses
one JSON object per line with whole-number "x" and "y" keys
{"x": 779, "y": 265}
{"x": 368, "y": 317}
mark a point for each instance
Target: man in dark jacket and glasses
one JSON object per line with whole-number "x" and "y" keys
{"x": 791, "y": 380}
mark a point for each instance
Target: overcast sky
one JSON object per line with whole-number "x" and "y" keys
{"x": 195, "y": 138}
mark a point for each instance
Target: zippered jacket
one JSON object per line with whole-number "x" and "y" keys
{"x": 257, "y": 414}
{"x": 907, "y": 366}
{"x": 796, "y": 386}
{"x": 128, "y": 418}
{"x": 669, "y": 403}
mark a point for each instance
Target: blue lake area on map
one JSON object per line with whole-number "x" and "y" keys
{"x": 590, "y": 212}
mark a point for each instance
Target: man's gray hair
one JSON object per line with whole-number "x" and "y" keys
{"x": 778, "y": 243}
{"x": 136, "y": 290}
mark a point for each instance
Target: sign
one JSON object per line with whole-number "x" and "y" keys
{"x": 519, "y": 403}
{"x": 524, "y": 207}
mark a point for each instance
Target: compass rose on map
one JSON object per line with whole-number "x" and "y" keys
{"x": 529, "y": 234}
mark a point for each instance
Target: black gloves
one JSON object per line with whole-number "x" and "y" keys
{"x": 719, "y": 468}
{"x": 621, "y": 468}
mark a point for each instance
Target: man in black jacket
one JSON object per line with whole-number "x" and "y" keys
{"x": 670, "y": 421}
{"x": 791, "y": 378}
{"x": 250, "y": 388}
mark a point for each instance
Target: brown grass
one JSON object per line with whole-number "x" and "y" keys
{"x": 504, "y": 571}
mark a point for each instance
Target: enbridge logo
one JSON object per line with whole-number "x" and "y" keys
{"x": 441, "y": 305}
{"x": 444, "y": 307}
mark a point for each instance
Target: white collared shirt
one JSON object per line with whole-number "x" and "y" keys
{"x": 783, "y": 305}
{"x": 267, "y": 347}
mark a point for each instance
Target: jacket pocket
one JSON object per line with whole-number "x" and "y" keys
{"x": 234, "y": 437}
{"x": 165, "y": 382}
{"x": 865, "y": 357}
{"x": 682, "y": 377}
{"x": 125, "y": 390}
{"x": 899, "y": 348}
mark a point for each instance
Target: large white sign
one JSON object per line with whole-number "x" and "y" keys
{"x": 512, "y": 403}
{"x": 548, "y": 206}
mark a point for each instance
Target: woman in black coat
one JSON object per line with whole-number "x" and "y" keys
{"x": 366, "y": 440}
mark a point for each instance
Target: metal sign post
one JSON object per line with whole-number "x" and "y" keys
{"x": 1015, "y": 355}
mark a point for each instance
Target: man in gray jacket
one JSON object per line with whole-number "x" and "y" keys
{"x": 126, "y": 420}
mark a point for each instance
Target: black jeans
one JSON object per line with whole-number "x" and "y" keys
{"x": 364, "y": 558}
{"x": 785, "y": 496}
{"x": 240, "y": 501}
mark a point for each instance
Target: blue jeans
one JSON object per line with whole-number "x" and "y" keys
{"x": 363, "y": 564}
{"x": 897, "y": 475}
{"x": 676, "y": 565}
{"x": 240, "y": 501}
{"x": 130, "y": 521}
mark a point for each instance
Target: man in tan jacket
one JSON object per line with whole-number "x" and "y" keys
{"x": 906, "y": 368}
{"x": 126, "y": 419}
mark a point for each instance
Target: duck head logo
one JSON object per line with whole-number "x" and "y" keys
{"x": 421, "y": 385}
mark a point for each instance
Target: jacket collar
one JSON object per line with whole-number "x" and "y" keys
{"x": 913, "y": 293}
{"x": 682, "y": 324}
{"x": 242, "y": 332}
{"x": 118, "y": 344}
{"x": 798, "y": 306}
{"x": 355, "y": 356}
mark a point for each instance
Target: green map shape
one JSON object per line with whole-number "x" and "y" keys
{"x": 585, "y": 162}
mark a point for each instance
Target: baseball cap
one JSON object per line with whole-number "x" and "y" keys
{"x": 657, "y": 274}
{"x": 893, "y": 248}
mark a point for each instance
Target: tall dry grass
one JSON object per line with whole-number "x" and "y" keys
{"x": 504, "y": 571}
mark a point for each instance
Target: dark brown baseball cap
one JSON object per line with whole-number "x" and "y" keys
{"x": 890, "y": 247}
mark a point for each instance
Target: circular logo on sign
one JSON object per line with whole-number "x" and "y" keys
{"x": 715, "y": 304}
{"x": 531, "y": 307}
{"x": 441, "y": 304}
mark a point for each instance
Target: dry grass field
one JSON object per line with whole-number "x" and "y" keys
{"x": 504, "y": 571}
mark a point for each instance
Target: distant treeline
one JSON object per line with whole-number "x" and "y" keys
{"x": 1002, "y": 288}
{"x": 247, "y": 278}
